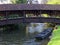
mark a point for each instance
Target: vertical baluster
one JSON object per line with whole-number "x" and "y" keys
{"x": 6, "y": 14}
{"x": 24, "y": 15}
{"x": 40, "y": 13}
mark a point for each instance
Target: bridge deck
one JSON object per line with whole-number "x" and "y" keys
{"x": 7, "y": 9}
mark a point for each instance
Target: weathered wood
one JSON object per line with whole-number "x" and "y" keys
{"x": 9, "y": 7}
{"x": 30, "y": 20}
{"x": 30, "y": 8}
{"x": 36, "y": 9}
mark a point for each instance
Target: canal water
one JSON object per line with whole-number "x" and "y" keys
{"x": 23, "y": 35}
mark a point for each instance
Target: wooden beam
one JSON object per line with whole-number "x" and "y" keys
{"x": 15, "y": 7}
{"x": 30, "y": 20}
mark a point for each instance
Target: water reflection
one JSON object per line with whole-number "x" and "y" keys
{"x": 36, "y": 27}
{"x": 23, "y": 36}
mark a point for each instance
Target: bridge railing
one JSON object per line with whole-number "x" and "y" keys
{"x": 27, "y": 13}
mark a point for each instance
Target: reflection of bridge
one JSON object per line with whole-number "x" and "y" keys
{"x": 23, "y": 9}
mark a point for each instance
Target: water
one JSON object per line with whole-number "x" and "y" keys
{"x": 20, "y": 37}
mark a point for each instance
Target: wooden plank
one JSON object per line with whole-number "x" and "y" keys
{"x": 30, "y": 20}
{"x": 42, "y": 20}
{"x": 13, "y": 7}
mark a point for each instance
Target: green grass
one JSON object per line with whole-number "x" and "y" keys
{"x": 55, "y": 40}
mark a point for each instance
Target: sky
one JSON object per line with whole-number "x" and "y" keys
{"x": 39, "y": 1}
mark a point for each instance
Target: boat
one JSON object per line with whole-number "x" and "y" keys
{"x": 45, "y": 34}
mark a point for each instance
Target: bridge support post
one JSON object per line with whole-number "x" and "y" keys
{"x": 6, "y": 15}
{"x": 24, "y": 15}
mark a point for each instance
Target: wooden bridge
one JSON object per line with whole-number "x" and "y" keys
{"x": 23, "y": 9}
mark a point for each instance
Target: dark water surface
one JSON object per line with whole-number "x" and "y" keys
{"x": 19, "y": 37}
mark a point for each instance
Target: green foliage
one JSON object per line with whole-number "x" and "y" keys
{"x": 19, "y": 1}
{"x": 13, "y": 1}
{"x": 53, "y": 2}
{"x": 13, "y": 16}
{"x": 56, "y": 37}
{"x": 1, "y": 17}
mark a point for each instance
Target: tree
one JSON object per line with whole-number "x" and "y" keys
{"x": 55, "y": 40}
{"x": 53, "y": 2}
{"x": 19, "y": 1}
